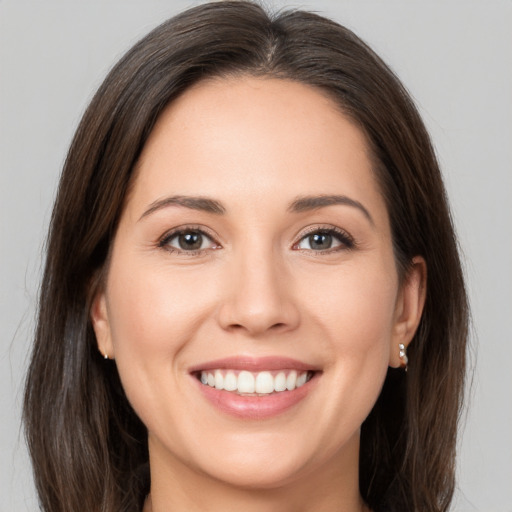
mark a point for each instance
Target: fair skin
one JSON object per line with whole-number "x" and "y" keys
{"x": 265, "y": 278}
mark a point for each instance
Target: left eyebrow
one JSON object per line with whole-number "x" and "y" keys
{"x": 307, "y": 203}
{"x": 204, "y": 204}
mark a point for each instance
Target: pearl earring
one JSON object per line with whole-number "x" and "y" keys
{"x": 403, "y": 356}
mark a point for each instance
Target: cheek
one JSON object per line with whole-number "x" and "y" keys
{"x": 152, "y": 309}
{"x": 356, "y": 304}
{"x": 154, "y": 313}
{"x": 356, "y": 320}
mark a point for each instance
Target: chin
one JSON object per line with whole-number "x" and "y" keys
{"x": 262, "y": 466}
{"x": 258, "y": 475}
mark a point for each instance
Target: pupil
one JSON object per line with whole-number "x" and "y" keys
{"x": 190, "y": 241}
{"x": 320, "y": 241}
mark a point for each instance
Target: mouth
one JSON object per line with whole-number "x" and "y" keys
{"x": 247, "y": 383}
{"x": 255, "y": 388}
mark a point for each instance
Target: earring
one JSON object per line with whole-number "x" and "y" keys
{"x": 403, "y": 356}
{"x": 105, "y": 356}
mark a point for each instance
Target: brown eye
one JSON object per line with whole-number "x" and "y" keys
{"x": 325, "y": 240}
{"x": 190, "y": 240}
{"x": 320, "y": 241}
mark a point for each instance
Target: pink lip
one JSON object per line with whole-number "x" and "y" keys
{"x": 255, "y": 407}
{"x": 254, "y": 364}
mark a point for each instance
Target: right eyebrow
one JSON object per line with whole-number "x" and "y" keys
{"x": 308, "y": 203}
{"x": 204, "y": 204}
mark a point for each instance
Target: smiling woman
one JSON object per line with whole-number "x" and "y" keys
{"x": 250, "y": 238}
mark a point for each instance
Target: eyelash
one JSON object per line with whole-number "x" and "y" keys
{"x": 165, "y": 240}
{"x": 346, "y": 241}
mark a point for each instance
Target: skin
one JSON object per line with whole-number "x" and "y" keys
{"x": 257, "y": 288}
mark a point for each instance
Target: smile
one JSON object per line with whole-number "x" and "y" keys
{"x": 255, "y": 383}
{"x": 255, "y": 388}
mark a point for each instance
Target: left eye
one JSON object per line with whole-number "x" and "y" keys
{"x": 323, "y": 241}
{"x": 191, "y": 240}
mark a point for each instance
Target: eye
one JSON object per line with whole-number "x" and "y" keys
{"x": 188, "y": 240}
{"x": 322, "y": 240}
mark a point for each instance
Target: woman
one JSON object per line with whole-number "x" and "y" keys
{"x": 250, "y": 229}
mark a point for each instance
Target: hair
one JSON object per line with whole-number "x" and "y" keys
{"x": 88, "y": 447}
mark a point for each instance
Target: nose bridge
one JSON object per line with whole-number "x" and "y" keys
{"x": 261, "y": 295}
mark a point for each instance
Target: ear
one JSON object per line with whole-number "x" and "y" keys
{"x": 409, "y": 308}
{"x": 101, "y": 325}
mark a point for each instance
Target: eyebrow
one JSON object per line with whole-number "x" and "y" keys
{"x": 299, "y": 205}
{"x": 308, "y": 203}
{"x": 204, "y": 204}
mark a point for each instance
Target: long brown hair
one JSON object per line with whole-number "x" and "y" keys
{"x": 89, "y": 449}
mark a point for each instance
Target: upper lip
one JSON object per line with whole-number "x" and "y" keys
{"x": 254, "y": 364}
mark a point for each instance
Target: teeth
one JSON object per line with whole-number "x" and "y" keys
{"x": 291, "y": 380}
{"x": 261, "y": 383}
{"x": 301, "y": 380}
{"x": 280, "y": 382}
{"x": 245, "y": 382}
{"x": 230, "y": 381}
{"x": 219, "y": 380}
{"x": 264, "y": 383}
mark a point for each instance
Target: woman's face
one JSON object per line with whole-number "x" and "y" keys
{"x": 252, "y": 302}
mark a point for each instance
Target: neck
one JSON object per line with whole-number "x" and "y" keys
{"x": 360, "y": 507}
{"x": 331, "y": 487}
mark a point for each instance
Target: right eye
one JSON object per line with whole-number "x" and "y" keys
{"x": 191, "y": 241}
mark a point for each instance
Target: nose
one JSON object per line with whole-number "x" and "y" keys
{"x": 259, "y": 296}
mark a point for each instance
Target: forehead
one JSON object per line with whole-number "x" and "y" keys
{"x": 246, "y": 138}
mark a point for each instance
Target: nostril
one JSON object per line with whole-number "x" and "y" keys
{"x": 235, "y": 327}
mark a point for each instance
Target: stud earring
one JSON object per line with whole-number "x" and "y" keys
{"x": 105, "y": 356}
{"x": 403, "y": 356}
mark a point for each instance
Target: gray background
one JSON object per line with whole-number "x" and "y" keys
{"x": 454, "y": 56}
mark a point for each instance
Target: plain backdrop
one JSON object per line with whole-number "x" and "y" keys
{"x": 456, "y": 59}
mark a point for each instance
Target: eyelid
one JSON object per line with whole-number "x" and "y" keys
{"x": 187, "y": 228}
{"x": 346, "y": 239}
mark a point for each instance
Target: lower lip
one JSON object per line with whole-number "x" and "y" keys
{"x": 256, "y": 407}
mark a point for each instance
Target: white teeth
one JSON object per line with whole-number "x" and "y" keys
{"x": 291, "y": 380}
{"x": 301, "y": 380}
{"x": 245, "y": 382}
{"x": 262, "y": 383}
{"x": 280, "y": 382}
{"x": 230, "y": 382}
{"x": 219, "y": 380}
